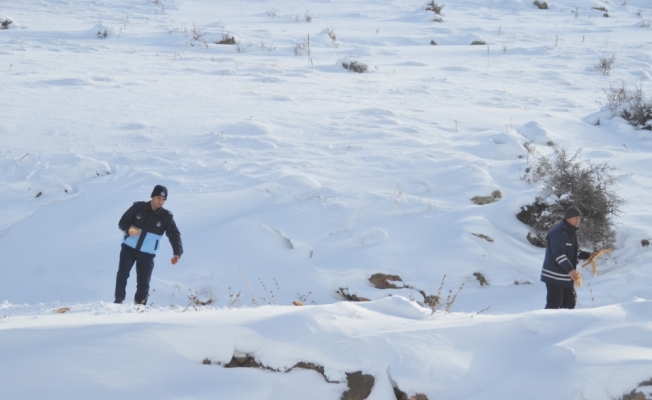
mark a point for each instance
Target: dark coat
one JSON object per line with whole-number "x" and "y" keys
{"x": 152, "y": 225}
{"x": 562, "y": 254}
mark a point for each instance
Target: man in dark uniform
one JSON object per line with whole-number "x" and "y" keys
{"x": 562, "y": 253}
{"x": 143, "y": 225}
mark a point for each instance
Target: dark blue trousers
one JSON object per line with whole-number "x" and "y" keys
{"x": 560, "y": 297}
{"x": 144, "y": 267}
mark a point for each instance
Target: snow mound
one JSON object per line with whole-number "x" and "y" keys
{"x": 535, "y": 132}
{"x": 397, "y": 306}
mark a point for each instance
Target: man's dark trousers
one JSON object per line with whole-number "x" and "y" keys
{"x": 144, "y": 267}
{"x": 560, "y": 297}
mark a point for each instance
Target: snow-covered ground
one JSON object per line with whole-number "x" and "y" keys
{"x": 292, "y": 178}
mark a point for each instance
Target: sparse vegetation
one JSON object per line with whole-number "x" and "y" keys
{"x": 517, "y": 282}
{"x": 600, "y": 9}
{"x": 332, "y": 35}
{"x": 433, "y": 43}
{"x": 541, "y": 6}
{"x": 301, "y": 49}
{"x": 226, "y": 39}
{"x": 240, "y": 48}
{"x": 645, "y": 242}
{"x": 102, "y": 35}
{"x": 267, "y": 47}
{"x": 62, "y": 310}
{"x": 272, "y": 13}
{"x": 385, "y": 281}
{"x": 307, "y": 17}
{"x": 355, "y": 66}
{"x": 272, "y": 299}
{"x": 568, "y": 180}
{"x": 646, "y": 23}
{"x": 605, "y": 64}
{"x": 198, "y": 36}
{"x": 195, "y": 302}
{"x": 481, "y": 200}
{"x": 631, "y": 105}
{"x": 434, "y": 7}
{"x": 233, "y": 298}
{"x": 478, "y": 43}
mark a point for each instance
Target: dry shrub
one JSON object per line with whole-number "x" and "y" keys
{"x": 568, "y": 180}
{"x": 600, "y": 9}
{"x": 434, "y": 7}
{"x": 481, "y": 278}
{"x": 332, "y": 35}
{"x": 481, "y": 200}
{"x": 645, "y": 242}
{"x": 355, "y": 66}
{"x": 478, "y": 43}
{"x": 301, "y": 49}
{"x": 605, "y": 64}
{"x": 62, "y": 310}
{"x": 272, "y": 13}
{"x": 198, "y": 36}
{"x": 542, "y": 6}
{"x": 5, "y": 23}
{"x": 267, "y": 47}
{"x": 631, "y": 105}
{"x": 226, "y": 39}
{"x": 433, "y": 43}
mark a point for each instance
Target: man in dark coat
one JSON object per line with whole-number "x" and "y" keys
{"x": 143, "y": 225}
{"x": 562, "y": 254}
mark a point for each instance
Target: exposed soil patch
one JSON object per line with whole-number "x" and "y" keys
{"x": 400, "y": 395}
{"x": 483, "y": 236}
{"x": 383, "y": 281}
{"x": 350, "y": 297}
{"x": 360, "y": 386}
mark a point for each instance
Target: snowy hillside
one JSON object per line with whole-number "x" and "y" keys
{"x": 292, "y": 178}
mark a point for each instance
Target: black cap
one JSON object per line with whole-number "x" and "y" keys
{"x": 571, "y": 212}
{"x": 160, "y": 190}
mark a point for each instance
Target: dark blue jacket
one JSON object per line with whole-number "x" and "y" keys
{"x": 562, "y": 253}
{"x": 152, "y": 226}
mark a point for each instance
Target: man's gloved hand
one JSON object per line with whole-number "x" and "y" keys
{"x": 576, "y": 277}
